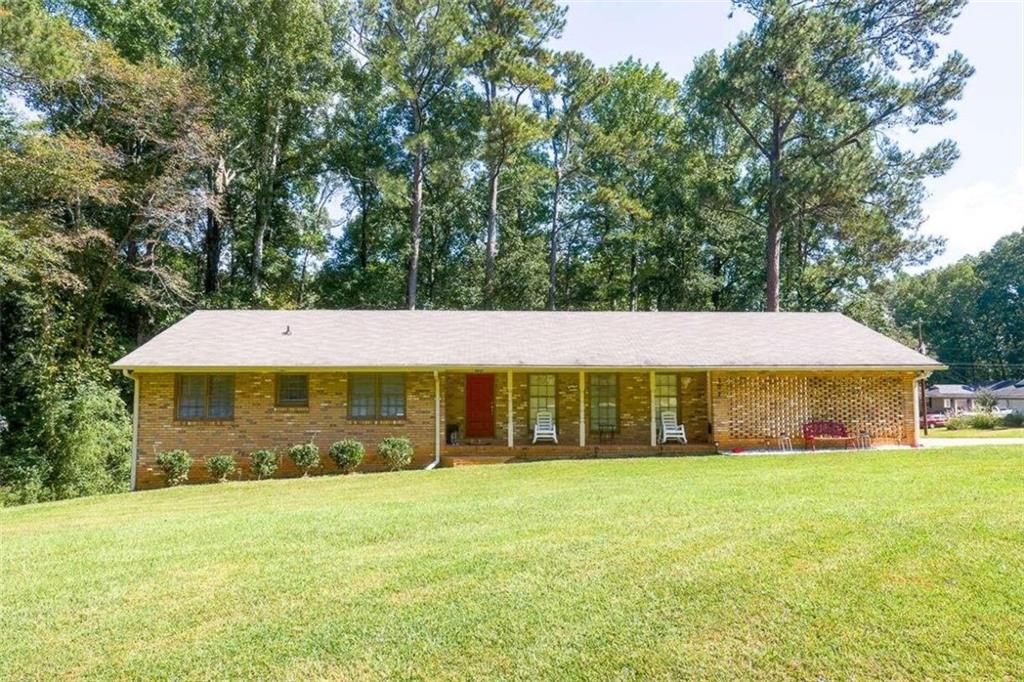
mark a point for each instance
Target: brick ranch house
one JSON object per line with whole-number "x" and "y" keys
{"x": 467, "y": 386}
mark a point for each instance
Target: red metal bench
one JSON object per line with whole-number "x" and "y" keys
{"x": 831, "y": 431}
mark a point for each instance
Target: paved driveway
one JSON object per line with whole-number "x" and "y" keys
{"x": 950, "y": 442}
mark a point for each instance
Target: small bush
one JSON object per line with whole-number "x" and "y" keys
{"x": 347, "y": 454}
{"x": 396, "y": 452}
{"x": 175, "y": 464}
{"x": 984, "y": 421}
{"x": 305, "y": 455}
{"x": 957, "y": 424}
{"x": 264, "y": 463}
{"x": 220, "y": 466}
{"x": 1013, "y": 420}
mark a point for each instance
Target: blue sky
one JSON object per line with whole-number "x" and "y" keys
{"x": 978, "y": 201}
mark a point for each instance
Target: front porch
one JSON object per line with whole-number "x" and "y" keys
{"x": 489, "y": 415}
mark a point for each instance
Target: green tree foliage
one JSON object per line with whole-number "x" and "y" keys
{"x": 510, "y": 37}
{"x": 816, "y": 90}
{"x": 971, "y": 312}
{"x": 441, "y": 154}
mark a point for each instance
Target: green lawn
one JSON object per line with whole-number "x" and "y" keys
{"x": 1001, "y": 432}
{"x": 810, "y": 566}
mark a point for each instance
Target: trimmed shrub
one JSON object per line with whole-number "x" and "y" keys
{"x": 175, "y": 465}
{"x": 347, "y": 454}
{"x": 264, "y": 463}
{"x": 984, "y": 421}
{"x": 957, "y": 424}
{"x": 305, "y": 455}
{"x": 396, "y": 452}
{"x": 220, "y": 466}
{"x": 1013, "y": 420}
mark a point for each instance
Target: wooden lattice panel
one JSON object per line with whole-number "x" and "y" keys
{"x": 761, "y": 406}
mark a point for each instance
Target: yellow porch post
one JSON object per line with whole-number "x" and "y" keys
{"x": 654, "y": 424}
{"x": 711, "y": 409}
{"x": 583, "y": 413}
{"x": 508, "y": 406}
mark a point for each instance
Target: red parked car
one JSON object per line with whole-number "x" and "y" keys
{"x": 934, "y": 419}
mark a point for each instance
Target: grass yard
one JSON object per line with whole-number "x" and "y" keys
{"x": 999, "y": 432}
{"x": 811, "y": 566}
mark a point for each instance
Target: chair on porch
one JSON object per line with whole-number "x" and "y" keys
{"x": 544, "y": 428}
{"x": 671, "y": 428}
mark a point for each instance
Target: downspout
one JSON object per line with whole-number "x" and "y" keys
{"x": 135, "y": 425}
{"x": 437, "y": 423}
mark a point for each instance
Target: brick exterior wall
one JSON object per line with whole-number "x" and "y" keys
{"x": 259, "y": 424}
{"x": 752, "y": 409}
{"x": 748, "y": 409}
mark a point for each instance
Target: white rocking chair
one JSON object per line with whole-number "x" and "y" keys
{"x": 544, "y": 428}
{"x": 671, "y": 428}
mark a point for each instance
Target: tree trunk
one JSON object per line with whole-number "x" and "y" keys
{"x": 553, "y": 245}
{"x": 492, "y": 239}
{"x": 415, "y": 227}
{"x": 264, "y": 203}
{"x": 364, "y": 249}
{"x": 634, "y": 288}
{"x": 258, "y": 237}
{"x": 774, "y": 238}
{"x": 213, "y": 236}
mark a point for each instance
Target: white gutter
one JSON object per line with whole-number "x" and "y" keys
{"x": 135, "y": 426}
{"x": 437, "y": 422}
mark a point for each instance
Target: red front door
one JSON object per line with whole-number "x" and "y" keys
{"x": 479, "y": 406}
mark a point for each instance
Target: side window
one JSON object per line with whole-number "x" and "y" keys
{"x": 362, "y": 401}
{"x": 292, "y": 390}
{"x": 392, "y": 395}
{"x": 376, "y": 396}
{"x": 191, "y": 396}
{"x": 666, "y": 394}
{"x": 205, "y": 396}
{"x": 604, "y": 402}
{"x": 542, "y": 396}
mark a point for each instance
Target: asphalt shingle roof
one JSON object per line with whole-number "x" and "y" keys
{"x": 395, "y": 339}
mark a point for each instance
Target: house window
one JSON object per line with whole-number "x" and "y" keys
{"x": 376, "y": 396}
{"x": 293, "y": 390}
{"x": 666, "y": 394}
{"x": 392, "y": 395}
{"x": 542, "y": 396}
{"x": 205, "y": 396}
{"x": 604, "y": 402}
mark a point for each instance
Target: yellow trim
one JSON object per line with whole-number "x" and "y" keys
{"x": 536, "y": 368}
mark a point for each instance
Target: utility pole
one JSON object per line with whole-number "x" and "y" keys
{"x": 924, "y": 400}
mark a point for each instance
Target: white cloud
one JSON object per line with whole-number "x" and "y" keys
{"x": 973, "y": 217}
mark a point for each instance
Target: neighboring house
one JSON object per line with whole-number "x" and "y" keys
{"x": 955, "y": 398}
{"x": 951, "y": 398}
{"x": 1009, "y": 394}
{"x": 469, "y": 385}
